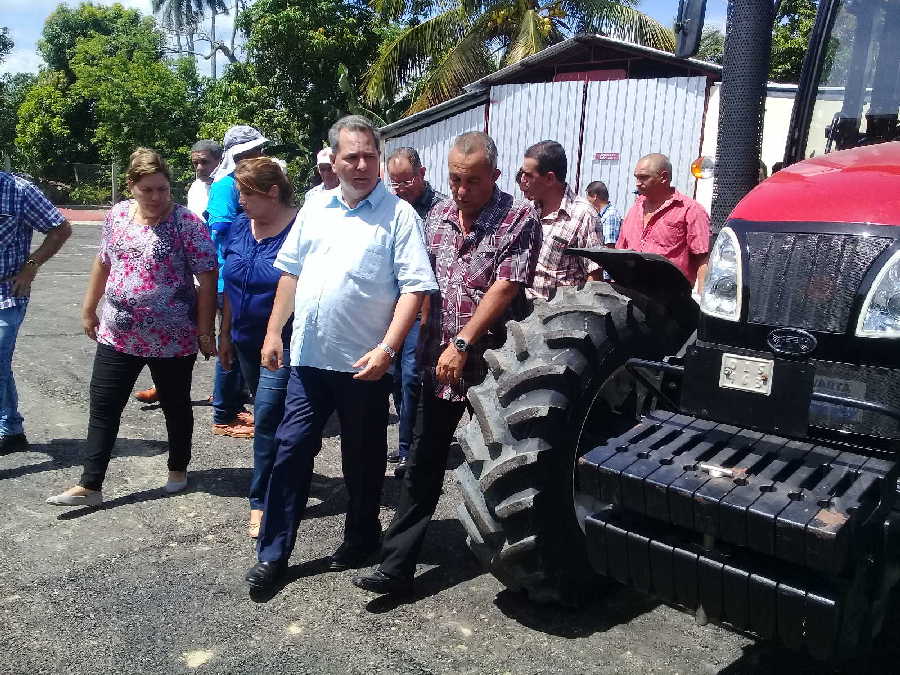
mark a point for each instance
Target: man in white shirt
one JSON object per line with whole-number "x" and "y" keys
{"x": 205, "y": 157}
{"x": 326, "y": 173}
{"x": 354, "y": 272}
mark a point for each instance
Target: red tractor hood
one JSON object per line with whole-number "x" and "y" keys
{"x": 861, "y": 185}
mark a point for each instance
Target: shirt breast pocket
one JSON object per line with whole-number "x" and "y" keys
{"x": 670, "y": 233}
{"x": 481, "y": 270}
{"x": 372, "y": 264}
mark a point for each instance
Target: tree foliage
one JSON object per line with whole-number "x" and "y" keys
{"x": 300, "y": 56}
{"x": 712, "y": 45}
{"x": 108, "y": 89}
{"x": 445, "y": 46}
{"x": 12, "y": 93}
{"x": 6, "y": 43}
{"x": 790, "y": 39}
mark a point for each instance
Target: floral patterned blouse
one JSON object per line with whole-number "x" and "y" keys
{"x": 151, "y": 304}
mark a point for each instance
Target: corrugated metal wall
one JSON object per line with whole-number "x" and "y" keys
{"x": 523, "y": 114}
{"x": 637, "y": 117}
{"x": 433, "y": 143}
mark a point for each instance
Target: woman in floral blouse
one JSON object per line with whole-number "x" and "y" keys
{"x": 153, "y": 316}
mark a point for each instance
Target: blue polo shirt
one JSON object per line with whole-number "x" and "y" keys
{"x": 221, "y": 210}
{"x": 250, "y": 282}
{"x": 351, "y": 264}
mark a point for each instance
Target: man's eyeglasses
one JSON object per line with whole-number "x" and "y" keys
{"x": 403, "y": 184}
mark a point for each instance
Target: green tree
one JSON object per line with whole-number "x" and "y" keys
{"x": 109, "y": 89}
{"x": 301, "y": 55}
{"x": 13, "y": 89}
{"x": 448, "y": 45}
{"x": 6, "y": 43}
{"x": 790, "y": 39}
{"x": 66, "y": 26}
{"x": 712, "y": 45}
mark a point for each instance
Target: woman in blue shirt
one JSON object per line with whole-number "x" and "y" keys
{"x": 250, "y": 283}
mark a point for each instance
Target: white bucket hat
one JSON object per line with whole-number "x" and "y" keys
{"x": 238, "y": 139}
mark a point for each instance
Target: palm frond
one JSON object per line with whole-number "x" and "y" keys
{"x": 409, "y": 55}
{"x": 466, "y": 62}
{"x": 390, "y": 10}
{"x": 620, "y": 21}
{"x": 531, "y": 37}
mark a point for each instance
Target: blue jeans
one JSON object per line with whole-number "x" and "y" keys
{"x": 362, "y": 408}
{"x": 407, "y": 387}
{"x": 10, "y": 419}
{"x": 268, "y": 389}
{"x": 228, "y": 389}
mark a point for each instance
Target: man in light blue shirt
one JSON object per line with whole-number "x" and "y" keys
{"x": 355, "y": 270}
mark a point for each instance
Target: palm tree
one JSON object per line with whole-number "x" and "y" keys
{"x": 184, "y": 15}
{"x": 472, "y": 38}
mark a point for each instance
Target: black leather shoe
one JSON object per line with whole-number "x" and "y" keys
{"x": 379, "y": 582}
{"x": 265, "y": 575}
{"x": 393, "y": 456}
{"x": 400, "y": 469}
{"x": 14, "y": 443}
{"x": 346, "y": 558}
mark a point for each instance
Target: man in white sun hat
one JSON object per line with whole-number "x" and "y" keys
{"x": 240, "y": 142}
{"x": 326, "y": 173}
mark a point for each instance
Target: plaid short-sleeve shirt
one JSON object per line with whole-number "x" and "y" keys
{"x": 23, "y": 209}
{"x": 569, "y": 226}
{"x": 504, "y": 244}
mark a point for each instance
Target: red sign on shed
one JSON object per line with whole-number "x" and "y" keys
{"x": 606, "y": 155}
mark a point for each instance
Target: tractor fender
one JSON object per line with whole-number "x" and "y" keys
{"x": 647, "y": 274}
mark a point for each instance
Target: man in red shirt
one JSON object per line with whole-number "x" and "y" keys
{"x": 664, "y": 221}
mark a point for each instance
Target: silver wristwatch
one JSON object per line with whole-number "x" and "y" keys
{"x": 387, "y": 349}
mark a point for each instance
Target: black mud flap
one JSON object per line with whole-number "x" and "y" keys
{"x": 649, "y": 273}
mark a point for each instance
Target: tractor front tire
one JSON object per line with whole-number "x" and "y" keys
{"x": 556, "y": 389}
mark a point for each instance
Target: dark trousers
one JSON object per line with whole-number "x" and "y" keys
{"x": 112, "y": 380}
{"x": 362, "y": 408}
{"x": 422, "y": 483}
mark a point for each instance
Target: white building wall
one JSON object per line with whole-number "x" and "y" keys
{"x": 433, "y": 143}
{"x": 632, "y": 118}
{"x": 523, "y": 114}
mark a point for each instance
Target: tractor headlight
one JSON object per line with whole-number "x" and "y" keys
{"x": 880, "y": 314}
{"x": 722, "y": 286}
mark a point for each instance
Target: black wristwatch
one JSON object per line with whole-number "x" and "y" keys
{"x": 461, "y": 345}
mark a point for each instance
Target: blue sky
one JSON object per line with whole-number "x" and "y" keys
{"x": 25, "y": 18}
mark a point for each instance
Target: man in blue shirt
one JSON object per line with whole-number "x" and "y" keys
{"x": 22, "y": 209}
{"x": 355, "y": 271}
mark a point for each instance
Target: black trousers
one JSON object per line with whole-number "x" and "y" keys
{"x": 435, "y": 425}
{"x": 112, "y": 380}
{"x": 362, "y": 408}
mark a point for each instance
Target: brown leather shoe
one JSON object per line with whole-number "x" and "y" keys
{"x": 234, "y": 429}
{"x": 148, "y": 395}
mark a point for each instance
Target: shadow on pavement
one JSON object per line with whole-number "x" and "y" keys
{"x": 611, "y": 607}
{"x": 69, "y": 452}
{"x": 445, "y": 547}
{"x": 223, "y": 482}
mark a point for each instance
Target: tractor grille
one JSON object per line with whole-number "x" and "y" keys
{"x": 808, "y": 280}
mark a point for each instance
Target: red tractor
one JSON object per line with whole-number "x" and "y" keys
{"x": 737, "y": 459}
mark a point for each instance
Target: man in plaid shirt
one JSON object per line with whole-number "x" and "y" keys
{"x": 609, "y": 220}
{"x": 23, "y": 209}
{"x": 567, "y": 221}
{"x": 483, "y": 246}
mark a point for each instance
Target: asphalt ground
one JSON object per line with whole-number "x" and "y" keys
{"x": 154, "y": 584}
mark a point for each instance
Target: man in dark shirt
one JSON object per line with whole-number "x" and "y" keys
{"x": 407, "y": 179}
{"x": 483, "y": 245}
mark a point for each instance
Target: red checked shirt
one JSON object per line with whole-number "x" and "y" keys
{"x": 572, "y": 225}
{"x": 677, "y": 230}
{"x": 503, "y": 244}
